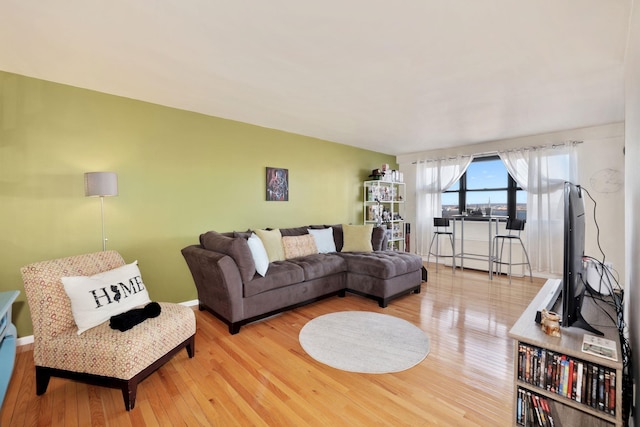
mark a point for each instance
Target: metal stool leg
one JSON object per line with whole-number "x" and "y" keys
{"x": 510, "y": 258}
{"x": 527, "y": 257}
{"x": 436, "y": 240}
{"x": 498, "y": 258}
{"x": 430, "y": 250}
{"x": 453, "y": 252}
{"x": 501, "y": 256}
{"x": 495, "y": 260}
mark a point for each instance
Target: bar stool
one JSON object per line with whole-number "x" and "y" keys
{"x": 441, "y": 229}
{"x": 514, "y": 228}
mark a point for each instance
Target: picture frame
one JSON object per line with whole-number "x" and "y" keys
{"x": 277, "y": 184}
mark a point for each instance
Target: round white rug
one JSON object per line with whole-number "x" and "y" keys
{"x": 366, "y": 342}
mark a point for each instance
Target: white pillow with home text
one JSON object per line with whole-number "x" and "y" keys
{"x": 94, "y": 299}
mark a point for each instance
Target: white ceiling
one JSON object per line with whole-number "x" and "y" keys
{"x": 394, "y": 77}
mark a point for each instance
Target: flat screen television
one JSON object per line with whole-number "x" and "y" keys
{"x": 574, "y": 274}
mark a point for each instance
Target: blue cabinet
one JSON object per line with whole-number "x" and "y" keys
{"x": 8, "y": 337}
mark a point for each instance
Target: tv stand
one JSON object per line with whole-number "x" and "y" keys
{"x": 533, "y": 350}
{"x": 583, "y": 324}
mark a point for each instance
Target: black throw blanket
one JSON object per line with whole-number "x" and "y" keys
{"x": 129, "y": 319}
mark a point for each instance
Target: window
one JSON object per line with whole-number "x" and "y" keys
{"x": 485, "y": 184}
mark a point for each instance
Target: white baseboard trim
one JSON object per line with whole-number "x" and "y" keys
{"x": 24, "y": 340}
{"x": 29, "y": 338}
{"x": 192, "y": 303}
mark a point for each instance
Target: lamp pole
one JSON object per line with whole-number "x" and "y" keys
{"x": 104, "y": 238}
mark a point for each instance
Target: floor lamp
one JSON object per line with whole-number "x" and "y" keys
{"x": 101, "y": 184}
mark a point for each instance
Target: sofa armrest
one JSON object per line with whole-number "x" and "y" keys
{"x": 217, "y": 280}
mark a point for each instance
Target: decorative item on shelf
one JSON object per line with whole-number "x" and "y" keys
{"x": 386, "y": 175}
{"x": 379, "y": 214}
{"x": 385, "y": 215}
{"x": 376, "y": 174}
{"x": 550, "y": 323}
{"x": 101, "y": 184}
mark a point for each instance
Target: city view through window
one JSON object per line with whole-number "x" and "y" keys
{"x": 485, "y": 190}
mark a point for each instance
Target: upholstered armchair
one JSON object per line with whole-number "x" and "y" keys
{"x": 100, "y": 355}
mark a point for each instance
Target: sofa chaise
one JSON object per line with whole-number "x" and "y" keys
{"x": 224, "y": 269}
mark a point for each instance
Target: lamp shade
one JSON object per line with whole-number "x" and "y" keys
{"x": 100, "y": 184}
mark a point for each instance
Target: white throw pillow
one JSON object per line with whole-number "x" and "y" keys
{"x": 324, "y": 239}
{"x": 94, "y": 299}
{"x": 259, "y": 254}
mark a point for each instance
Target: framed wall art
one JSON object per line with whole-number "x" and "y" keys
{"x": 277, "y": 184}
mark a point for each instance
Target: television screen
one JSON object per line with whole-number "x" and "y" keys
{"x": 574, "y": 275}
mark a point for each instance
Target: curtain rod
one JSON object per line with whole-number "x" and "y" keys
{"x": 494, "y": 153}
{"x": 538, "y": 147}
{"x": 444, "y": 158}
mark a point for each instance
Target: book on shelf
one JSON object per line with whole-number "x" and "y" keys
{"x": 579, "y": 382}
{"x": 535, "y": 410}
{"x": 584, "y": 382}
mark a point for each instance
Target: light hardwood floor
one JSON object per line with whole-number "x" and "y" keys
{"x": 262, "y": 377}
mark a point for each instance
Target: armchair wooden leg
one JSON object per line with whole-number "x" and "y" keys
{"x": 42, "y": 380}
{"x": 191, "y": 347}
{"x": 129, "y": 391}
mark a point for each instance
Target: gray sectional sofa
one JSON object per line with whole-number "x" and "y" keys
{"x": 228, "y": 286}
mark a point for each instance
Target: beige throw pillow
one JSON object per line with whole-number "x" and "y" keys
{"x": 357, "y": 238}
{"x": 272, "y": 241}
{"x": 297, "y": 246}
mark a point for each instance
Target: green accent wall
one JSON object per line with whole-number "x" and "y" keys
{"x": 179, "y": 173}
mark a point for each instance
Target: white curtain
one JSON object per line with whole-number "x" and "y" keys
{"x": 432, "y": 178}
{"x": 541, "y": 172}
